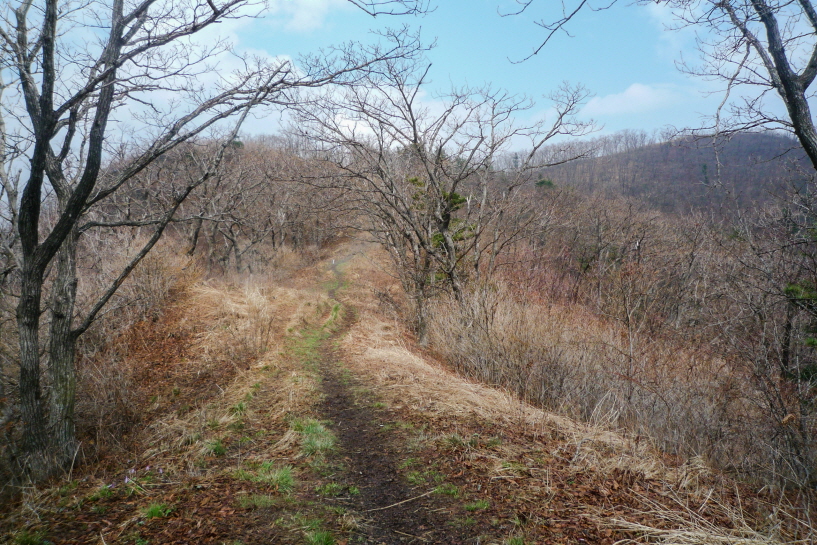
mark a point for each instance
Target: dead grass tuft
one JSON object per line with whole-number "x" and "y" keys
{"x": 246, "y": 330}
{"x": 377, "y": 347}
{"x": 422, "y": 384}
{"x": 108, "y": 404}
{"x": 572, "y": 362}
{"x": 686, "y": 526}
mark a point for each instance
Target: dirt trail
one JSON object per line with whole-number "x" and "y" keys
{"x": 235, "y": 447}
{"x": 391, "y": 512}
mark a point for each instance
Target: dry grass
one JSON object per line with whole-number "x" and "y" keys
{"x": 220, "y": 348}
{"x": 107, "y": 406}
{"x": 246, "y": 329}
{"x": 222, "y": 323}
{"x": 240, "y": 323}
{"x": 407, "y": 379}
{"x": 284, "y": 260}
{"x": 411, "y": 381}
{"x": 684, "y": 525}
{"x": 163, "y": 273}
{"x": 567, "y": 360}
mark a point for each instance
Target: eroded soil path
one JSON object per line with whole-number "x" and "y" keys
{"x": 389, "y": 511}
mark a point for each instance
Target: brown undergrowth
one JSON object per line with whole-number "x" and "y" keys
{"x": 561, "y": 479}
{"x": 205, "y": 400}
{"x": 246, "y": 437}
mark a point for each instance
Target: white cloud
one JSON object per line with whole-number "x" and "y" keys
{"x": 637, "y": 98}
{"x": 675, "y": 37}
{"x": 662, "y": 15}
{"x": 303, "y": 15}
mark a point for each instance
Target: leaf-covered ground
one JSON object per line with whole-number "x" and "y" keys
{"x": 302, "y": 413}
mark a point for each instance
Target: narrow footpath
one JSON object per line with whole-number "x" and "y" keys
{"x": 389, "y": 511}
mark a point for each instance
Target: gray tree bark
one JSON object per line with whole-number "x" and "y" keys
{"x": 66, "y": 117}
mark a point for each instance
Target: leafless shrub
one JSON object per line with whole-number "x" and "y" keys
{"x": 106, "y": 408}
{"x": 568, "y": 360}
{"x": 161, "y": 274}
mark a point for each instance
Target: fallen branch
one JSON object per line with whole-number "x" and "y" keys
{"x": 399, "y": 503}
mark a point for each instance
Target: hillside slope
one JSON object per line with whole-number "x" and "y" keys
{"x": 686, "y": 174}
{"x": 300, "y": 412}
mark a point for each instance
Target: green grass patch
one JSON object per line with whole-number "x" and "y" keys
{"x": 336, "y": 311}
{"x": 256, "y": 501}
{"x": 516, "y": 468}
{"x": 216, "y": 448}
{"x": 282, "y": 479}
{"x": 239, "y": 409}
{"x": 409, "y": 462}
{"x": 477, "y": 505}
{"x": 330, "y": 489}
{"x": 320, "y": 537}
{"x": 316, "y": 438}
{"x": 305, "y": 523}
{"x": 102, "y": 493}
{"x": 463, "y": 522}
{"x": 157, "y": 510}
{"x": 325, "y": 468}
{"x": 67, "y": 488}
{"x": 417, "y": 478}
{"x": 457, "y": 442}
{"x": 334, "y": 490}
{"x": 448, "y": 489}
{"x": 26, "y": 537}
{"x": 244, "y": 475}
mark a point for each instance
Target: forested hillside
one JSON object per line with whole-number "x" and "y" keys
{"x": 413, "y": 314}
{"x": 683, "y": 340}
{"x": 686, "y": 173}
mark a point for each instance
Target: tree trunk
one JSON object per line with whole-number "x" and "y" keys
{"x": 800, "y": 113}
{"x": 421, "y": 320}
{"x": 62, "y": 354}
{"x": 35, "y": 439}
{"x": 194, "y": 238}
{"x": 791, "y": 87}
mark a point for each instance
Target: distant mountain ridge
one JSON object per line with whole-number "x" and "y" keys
{"x": 680, "y": 175}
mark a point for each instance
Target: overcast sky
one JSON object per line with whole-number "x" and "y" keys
{"x": 624, "y": 55}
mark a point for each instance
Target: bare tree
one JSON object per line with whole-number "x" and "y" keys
{"x": 761, "y": 51}
{"x": 755, "y": 47}
{"x": 424, "y": 175}
{"x": 71, "y": 72}
{"x": 256, "y": 204}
